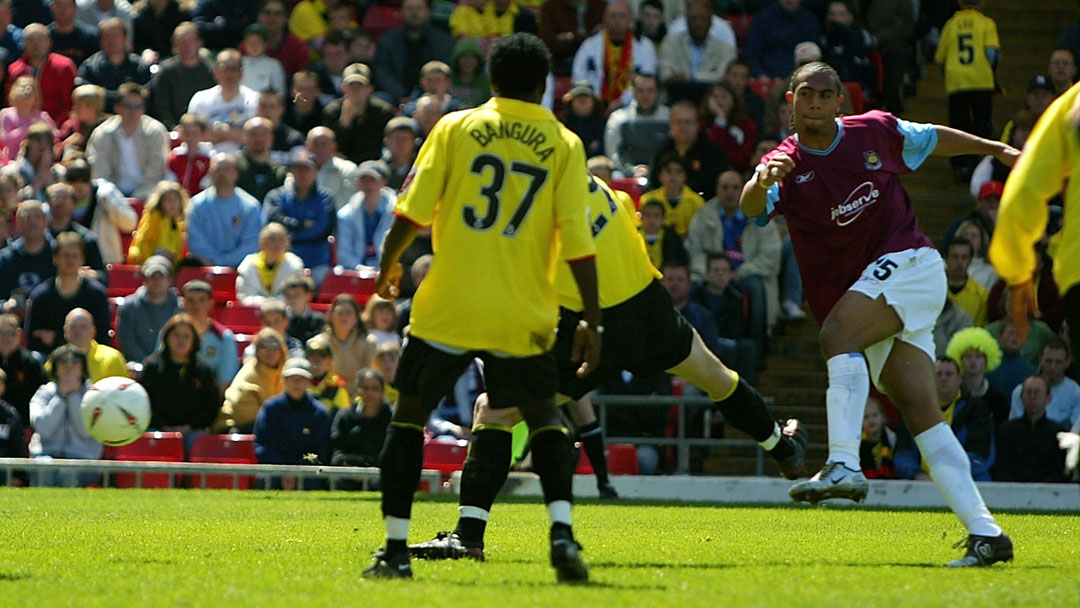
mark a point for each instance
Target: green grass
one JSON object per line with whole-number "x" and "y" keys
{"x": 120, "y": 548}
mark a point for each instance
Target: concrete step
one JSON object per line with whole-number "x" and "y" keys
{"x": 793, "y": 396}
{"x": 793, "y": 378}
{"x": 795, "y": 363}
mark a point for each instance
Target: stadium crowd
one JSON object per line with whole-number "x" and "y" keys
{"x": 271, "y": 138}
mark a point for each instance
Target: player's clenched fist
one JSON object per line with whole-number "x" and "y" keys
{"x": 388, "y": 283}
{"x": 775, "y": 170}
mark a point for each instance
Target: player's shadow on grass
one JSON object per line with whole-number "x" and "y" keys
{"x": 11, "y": 577}
{"x": 592, "y": 584}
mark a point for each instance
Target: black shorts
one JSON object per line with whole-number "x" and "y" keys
{"x": 430, "y": 374}
{"x": 644, "y": 335}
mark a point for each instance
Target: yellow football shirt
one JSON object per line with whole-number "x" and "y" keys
{"x": 502, "y": 186}
{"x": 623, "y": 267}
{"x": 962, "y": 50}
{"x": 679, "y": 216}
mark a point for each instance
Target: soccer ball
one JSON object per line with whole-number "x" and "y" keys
{"x": 116, "y": 410}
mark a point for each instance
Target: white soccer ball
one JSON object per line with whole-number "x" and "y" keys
{"x": 116, "y": 410}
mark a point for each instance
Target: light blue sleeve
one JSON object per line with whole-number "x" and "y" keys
{"x": 347, "y": 237}
{"x": 920, "y": 141}
{"x": 772, "y": 195}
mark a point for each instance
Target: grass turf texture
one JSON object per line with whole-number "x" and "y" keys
{"x": 210, "y": 548}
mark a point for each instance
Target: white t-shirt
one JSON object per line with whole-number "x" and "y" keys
{"x": 209, "y": 104}
{"x": 130, "y": 166}
{"x": 263, "y": 72}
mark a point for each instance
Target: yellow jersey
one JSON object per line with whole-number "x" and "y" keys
{"x": 1050, "y": 164}
{"x": 679, "y": 216}
{"x": 962, "y": 50}
{"x": 504, "y": 188}
{"x": 623, "y": 267}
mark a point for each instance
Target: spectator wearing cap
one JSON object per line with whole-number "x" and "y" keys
{"x": 402, "y": 51}
{"x": 469, "y": 84}
{"x": 261, "y": 71}
{"x": 217, "y": 345}
{"x": 400, "y": 139}
{"x": 596, "y": 61}
{"x": 113, "y": 65}
{"x": 335, "y": 173}
{"x": 51, "y": 300}
{"x": 130, "y": 149}
{"x": 1040, "y": 94}
{"x": 294, "y": 428}
{"x": 224, "y": 221}
{"x": 774, "y": 32}
{"x": 61, "y": 199}
{"x": 263, "y": 275}
{"x": 985, "y": 212}
{"x": 583, "y": 114}
{"x": 358, "y": 118}
{"x": 184, "y": 394}
{"x": 306, "y": 211}
{"x": 692, "y": 59}
{"x": 143, "y": 314}
{"x": 362, "y": 224}
{"x": 328, "y": 387}
{"x": 257, "y": 171}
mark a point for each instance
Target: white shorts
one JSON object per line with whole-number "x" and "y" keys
{"x": 913, "y": 283}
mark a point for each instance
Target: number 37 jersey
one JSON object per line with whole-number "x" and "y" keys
{"x": 502, "y": 187}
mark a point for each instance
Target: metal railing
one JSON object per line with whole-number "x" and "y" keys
{"x": 681, "y": 442}
{"x": 201, "y": 470}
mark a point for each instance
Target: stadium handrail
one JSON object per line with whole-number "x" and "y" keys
{"x": 202, "y": 469}
{"x": 681, "y": 442}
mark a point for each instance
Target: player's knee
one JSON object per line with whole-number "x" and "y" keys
{"x": 541, "y": 414}
{"x": 485, "y": 415}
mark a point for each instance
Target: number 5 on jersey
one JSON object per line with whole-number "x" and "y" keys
{"x": 493, "y": 190}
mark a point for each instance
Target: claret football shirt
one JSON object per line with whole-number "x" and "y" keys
{"x": 845, "y": 206}
{"x": 502, "y": 186}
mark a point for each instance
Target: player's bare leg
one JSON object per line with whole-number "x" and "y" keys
{"x": 856, "y": 322}
{"x": 591, "y": 437}
{"x": 743, "y": 408}
{"x": 908, "y": 378}
{"x": 400, "y": 463}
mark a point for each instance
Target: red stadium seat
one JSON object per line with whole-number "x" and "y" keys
{"x": 242, "y": 342}
{"x": 333, "y": 250}
{"x": 154, "y": 447}
{"x": 632, "y": 186}
{"x": 234, "y": 449}
{"x": 445, "y": 455}
{"x": 741, "y": 25}
{"x": 358, "y": 284}
{"x": 622, "y": 458}
{"x": 584, "y": 467}
{"x": 761, "y": 88}
{"x": 222, "y": 280}
{"x": 323, "y": 307}
{"x": 378, "y": 19}
{"x": 854, "y": 93}
{"x": 124, "y": 279}
{"x": 239, "y": 318}
{"x": 114, "y": 310}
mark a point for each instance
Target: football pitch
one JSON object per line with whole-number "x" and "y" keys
{"x": 121, "y": 548}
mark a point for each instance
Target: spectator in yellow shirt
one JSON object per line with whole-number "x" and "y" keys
{"x": 965, "y": 291}
{"x": 679, "y": 201}
{"x": 102, "y": 361}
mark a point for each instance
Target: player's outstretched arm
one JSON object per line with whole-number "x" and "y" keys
{"x": 954, "y": 142}
{"x": 754, "y": 199}
{"x": 398, "y": 238}
{"x": 587, "y": 336}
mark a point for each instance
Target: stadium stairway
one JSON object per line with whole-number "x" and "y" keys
{"x": 794, "y": 379}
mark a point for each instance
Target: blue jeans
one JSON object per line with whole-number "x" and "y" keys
{"x": 790, "y": 280}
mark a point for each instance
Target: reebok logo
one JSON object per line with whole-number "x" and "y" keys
{"x": 864, "y": 195}
{"x": 805, "y": 177}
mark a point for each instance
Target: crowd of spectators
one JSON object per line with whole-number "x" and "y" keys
{"x": 272, "y": 137}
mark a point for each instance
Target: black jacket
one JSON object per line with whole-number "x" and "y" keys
{"x": 180, "y": 395}
{"x": 358, "y": 440}
{"x": 24, "y": 375}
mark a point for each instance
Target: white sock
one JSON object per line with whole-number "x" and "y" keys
{"x": 770, "y": 443}
{"x": 472, "y": 513}
{"x": 559, "y": 510}
{"x": 396, "y": 528}
{"x": 845, "y": 400}
{"x": 951, "y": 471}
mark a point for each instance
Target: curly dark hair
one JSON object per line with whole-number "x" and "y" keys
{"x": 519, "y": 66}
